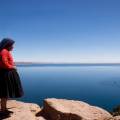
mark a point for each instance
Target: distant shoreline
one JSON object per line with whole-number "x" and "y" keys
{"x": 65, "y": 64}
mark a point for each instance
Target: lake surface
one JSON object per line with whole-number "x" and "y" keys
{"x": 95, "y": 84}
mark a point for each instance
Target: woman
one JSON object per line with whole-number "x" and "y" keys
{"x": 10, "y": 85}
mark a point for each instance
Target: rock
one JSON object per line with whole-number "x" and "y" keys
{"x": 62, "y": 109}
{"x": 40, "y": 118}
{"x": 21, "y": 111}
{"x": 116, "y": 118}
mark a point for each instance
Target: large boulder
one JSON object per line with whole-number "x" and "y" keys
{"x": 62, "y": 109}
{"x": 21, "y": 111}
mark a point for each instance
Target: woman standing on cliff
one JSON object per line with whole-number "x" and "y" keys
{"x": 10, "y": 85}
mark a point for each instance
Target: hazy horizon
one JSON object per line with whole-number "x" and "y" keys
{"x": 65, "y": 62}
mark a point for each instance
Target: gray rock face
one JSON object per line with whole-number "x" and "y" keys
{"x": 62, "y": 109}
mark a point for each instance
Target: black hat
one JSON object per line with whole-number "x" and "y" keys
{"x": 6, "y": 42}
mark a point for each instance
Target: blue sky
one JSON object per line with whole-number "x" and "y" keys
{"x": 62, "y": 30}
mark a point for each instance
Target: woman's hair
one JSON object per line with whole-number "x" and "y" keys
{"x": 6, "y": 43}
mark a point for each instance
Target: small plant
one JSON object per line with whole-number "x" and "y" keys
{"x": 116, "y": 111}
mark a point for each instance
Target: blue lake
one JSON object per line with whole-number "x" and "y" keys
{"x": 97, "y": 85}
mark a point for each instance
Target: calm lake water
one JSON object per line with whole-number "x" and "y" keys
{"x": 97, "y": 85}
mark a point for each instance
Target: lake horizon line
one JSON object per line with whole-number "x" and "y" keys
{"x": 64, "y": 64}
